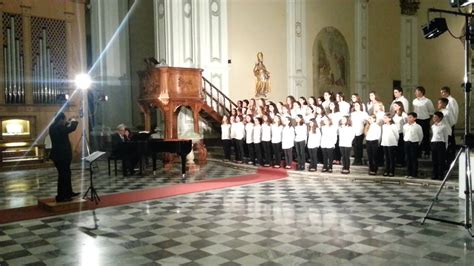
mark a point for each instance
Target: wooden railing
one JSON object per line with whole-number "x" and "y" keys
{"x": 219, "y": 102}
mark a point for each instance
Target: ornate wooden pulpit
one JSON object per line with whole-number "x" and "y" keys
{"x": 169, "y": 88}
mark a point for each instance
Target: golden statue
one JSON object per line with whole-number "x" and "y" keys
{"x": 262, "y": 86}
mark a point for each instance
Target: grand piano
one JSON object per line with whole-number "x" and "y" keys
{"x": 151, "y": 147}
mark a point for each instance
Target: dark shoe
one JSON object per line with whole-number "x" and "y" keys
{"x": 372, "y": 173}
{"x": 385, "y": 174}
{"x": 75, "y": 194}
{"x": 329, "y": 170}
{"x": 391, "y": 174}
{"x": 324, "y": 170}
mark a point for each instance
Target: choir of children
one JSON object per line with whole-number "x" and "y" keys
{"x": 326, "y": 130}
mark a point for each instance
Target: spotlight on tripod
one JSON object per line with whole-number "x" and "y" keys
{"x": 460, "y": 3}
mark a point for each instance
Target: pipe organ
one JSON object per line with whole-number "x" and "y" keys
{"x": 47, "y": 87}
{"x": 13, "y": 65}
{"x": 43, "y": 47}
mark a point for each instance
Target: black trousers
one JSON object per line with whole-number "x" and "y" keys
{"x": 258, "y": 152}
{"x": 239, "y": 150}
{"x": 390, "y": 158}
{"x": 411, "y": 150}
{"x": 276, "y": 147}
{"x": 438, "y": 157}
{"x": 267, "y": 152}
{"x": 337, "y": 150}
{"x": 401, "y": 150}
{"x": 251, "y": 152}
{"x": 288, "y": 156}
{"x": 345, "y": 157}
{"x": 358, "y": 148}
{"x": 227, "y": 145}
{"x": 328, "y": 156}
{"x": 313, "y": 158}
{"x": 425, "y": 143}
{"x": 64, "y": 179}
{"x": 301, "y": 154}
{"x": 451, "y": 146}
{"x": 372, "y": 148}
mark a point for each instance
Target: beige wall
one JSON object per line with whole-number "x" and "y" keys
{"x": 255, "y": 26}
{"x": 384, "y": 48}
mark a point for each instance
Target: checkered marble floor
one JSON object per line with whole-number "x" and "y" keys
{"x": 293, "y": 221}
{"x": 24, "y": 188}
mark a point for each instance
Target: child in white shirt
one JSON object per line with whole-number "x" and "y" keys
{"x": 288, "y": 141}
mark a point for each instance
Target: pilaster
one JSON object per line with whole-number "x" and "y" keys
{"x": 362, "y": 81}
{"x": 296, "y": 51}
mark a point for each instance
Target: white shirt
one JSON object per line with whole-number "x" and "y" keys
{"x": 249, "y": 133}
{"x": 239, "y": 130}
{"x": 359, "y": 118}
{"x": 412, "y": 133}
{"x": 301, "y": 132}
{"x": 423, "y": 107}
{"x": 453, "y": 107}
{"x": 225, "y": 131}
{"x": 389, "y": 135}
{"x": 374, "y": 132}
{"x": 266, "y": 132}
{"x": 399, "y": 121}
{"x": 288, "y": 140}
{"x": 233, "y": 128}
{"x": 404, "y": 102}
{"x": 328, "y": 137}
{"x": 441, "y": 133}
{"x": 346, "y": 136}
{"x": 257, "y": 134}
{"x": 344, "y": 107}
{"x": 276, "y": 133}
{"x": 314, "y": 139}
{"x": 335, "y": 117}
{"x": 447, "y": 117}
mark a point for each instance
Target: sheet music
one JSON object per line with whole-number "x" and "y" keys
{"x": 94, "y": 156}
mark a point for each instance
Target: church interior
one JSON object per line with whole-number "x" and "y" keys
{"x": 171, "y": 72}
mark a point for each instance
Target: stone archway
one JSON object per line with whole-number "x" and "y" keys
{"x": 331, "y": 62}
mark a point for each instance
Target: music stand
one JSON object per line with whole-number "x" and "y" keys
{"x": 91, "y": 159}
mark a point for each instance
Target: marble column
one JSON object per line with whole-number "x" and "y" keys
{"x": 409, "y": 33}
{"x": 296, "y": 52}
{"x": 110, "y": 61}
{"x": 362, "y": 81}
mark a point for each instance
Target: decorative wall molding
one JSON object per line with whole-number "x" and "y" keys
{"x": 296, "y": 51}
{"x": 409, "y": 53}
{"x": 362, "y": 81}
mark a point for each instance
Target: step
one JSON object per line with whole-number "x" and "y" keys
{"x": 51, "y": 205}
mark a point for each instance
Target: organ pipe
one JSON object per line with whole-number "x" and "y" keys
{"x": 45, "y": 87}
{"x": 13, "y": 62}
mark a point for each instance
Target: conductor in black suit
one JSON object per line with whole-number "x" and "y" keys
{"x": 61, "y": 154}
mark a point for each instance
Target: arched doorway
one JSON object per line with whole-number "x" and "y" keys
{"x": 330, "y": 62}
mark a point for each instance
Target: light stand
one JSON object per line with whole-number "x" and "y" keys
{"x": 469, "y": 208}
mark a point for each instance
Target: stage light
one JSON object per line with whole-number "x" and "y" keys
{"x": 83, "y": 81}
{"x": 460, "y": 3}
{"x": 434, "y": 28}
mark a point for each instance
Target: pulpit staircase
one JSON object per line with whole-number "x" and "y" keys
{"x": 215, "y": 102}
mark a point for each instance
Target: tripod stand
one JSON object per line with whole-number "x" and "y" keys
{"x": 465, "y": 149}
{"x": 91, "y": 159}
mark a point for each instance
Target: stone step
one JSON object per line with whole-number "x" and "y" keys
{"x": 51, "y": 205}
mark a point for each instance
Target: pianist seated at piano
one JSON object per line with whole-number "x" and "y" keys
{"x": 120, "y": 151}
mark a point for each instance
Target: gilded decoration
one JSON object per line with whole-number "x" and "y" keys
{"x": 262, "y": 84}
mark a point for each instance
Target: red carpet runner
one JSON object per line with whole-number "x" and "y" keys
{"x": 262, "y": 175}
